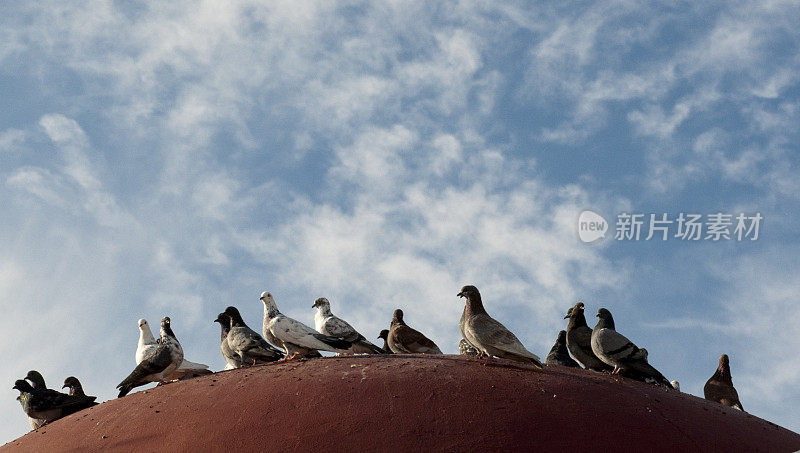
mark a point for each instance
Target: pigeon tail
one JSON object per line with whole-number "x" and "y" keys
{"x": 362, "y": 346}
{"x": 336, "y": 343}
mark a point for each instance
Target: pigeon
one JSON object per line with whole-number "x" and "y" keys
{"x": 327, "y": 323}
{"x": 246, "y": 344}
{"x": 405, "y": 340}
{"x": 75, "y": 387}
{"x": 616, "y": 350}
{"x": 559, "y": 355}
{"x": 384, "y": 335}
{"x": 43, "y": 405}
{"x": 25, "y": 393}
{"x": 720, "y": 388}
{"x": 489, "y": 336}
{"x": 579, "y": 340}
{"x": 147, "y": 343}
{"x": 465, "y": 349}
{"x": 157, "y": 364}
{"x": 231, "y": 360}
{"x": 296, "y": 338}
{"x": 676, "y": 385}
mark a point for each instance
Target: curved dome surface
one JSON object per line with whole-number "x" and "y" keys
{"x": 405, "y": 402}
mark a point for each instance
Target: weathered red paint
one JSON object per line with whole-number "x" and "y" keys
{"x": 408, "y": 403}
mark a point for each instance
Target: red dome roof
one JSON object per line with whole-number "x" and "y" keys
{"x": 370, "y": 403}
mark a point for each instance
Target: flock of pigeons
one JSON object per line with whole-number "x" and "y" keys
{"x": 161, "y": 360}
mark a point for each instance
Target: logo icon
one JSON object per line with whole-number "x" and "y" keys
{"x": 591, "y": 226}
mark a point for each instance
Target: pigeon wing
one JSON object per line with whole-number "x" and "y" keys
{"x": 287, "y": 330}
{"x": 722, "y": 392}
{"x": 612, "y": 347}
{"x": 490, "y": 332}
{"x": 410, "y": 341}
{"x": 339, "y": 328}
{"x": 154, "y": 363}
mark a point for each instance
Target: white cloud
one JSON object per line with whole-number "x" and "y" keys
{"x": 213, "y": 150}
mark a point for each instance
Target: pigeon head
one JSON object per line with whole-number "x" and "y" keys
{"x": 236, "y": 319}
{"x": 724, "y": 368}
{"x": 397, "y": 317}
{"x": 166, "y": 327}
{"x": 606, "y": 320}
{"x": 75, "y": 387}
{"x": 36, "y": 379}
{"x": 562, "y": 337}
{"x": 469, "y": 292}
{"x": 321, "y": 303}
{"x": 143, "y": 323}
{"x": 224, "y": 320}
{"x": 71, "y": 382}
{"x": 576, "y": 317}
{"x": 384, "y": 334}
{"x": 269, "y": 304}
{"x": 473, "y": 304}
{"x": 23, "y": 386}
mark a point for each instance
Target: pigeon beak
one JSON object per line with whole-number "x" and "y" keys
{"x": 64, "y": 386}
{"x": 565, "y": 317}
{"x": 460, "y": 295}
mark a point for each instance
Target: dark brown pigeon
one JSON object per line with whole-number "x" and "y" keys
{"x": 720, "y": 388}
{"x": 384, "y": 335}
{"x": 75, "y": 387}
{"x": 405, "y": 340}
{"x": 44, "y": 405}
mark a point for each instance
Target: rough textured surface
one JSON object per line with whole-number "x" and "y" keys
{"x": 442, "y": 403}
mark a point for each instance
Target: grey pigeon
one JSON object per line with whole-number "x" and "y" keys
{"x": 158, "y": 363}
{"x": 465, "y": 349}
{"x": 402, "y": 339}
{"x": 43, "y": 405}
{"x": 616, "y": 350}
{"x": 327, "y": 323}
{"x": 231, "y": 360}
{"x": 719, "y": 387}
{"x": 295, "y": 337}
{"x": 559, "y": 355}
{"x": 246, "y": 343}
{"x": 488, "y": 335}
{"x": 384, "y": 335}
{"x": 579, "y": 340}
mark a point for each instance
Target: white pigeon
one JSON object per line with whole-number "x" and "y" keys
{"x": 147, "y": 343}
{"x": 296, "y": 337}
{"x": 327, "y": 323}
{"x": 157, "y": 364}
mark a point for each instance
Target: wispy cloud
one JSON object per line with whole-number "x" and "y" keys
{"x": 178, "y": 158}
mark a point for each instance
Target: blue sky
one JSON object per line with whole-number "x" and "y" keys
{"x": 172, "y": 159}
